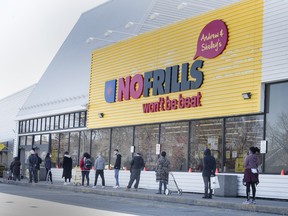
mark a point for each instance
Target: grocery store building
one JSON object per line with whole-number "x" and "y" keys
{"x": 169, "y": 75}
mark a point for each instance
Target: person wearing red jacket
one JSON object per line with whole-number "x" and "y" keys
{"x": 84, "y": 169}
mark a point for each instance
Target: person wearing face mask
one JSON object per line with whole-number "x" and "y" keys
{"x": 48, "y": 166}
{"x": 117, "y": 167}
{"x": 251, "y": 179}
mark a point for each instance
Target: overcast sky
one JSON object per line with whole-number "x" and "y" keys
{"x": 31, "y": 33}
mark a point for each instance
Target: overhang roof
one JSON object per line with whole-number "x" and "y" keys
{"x": 64, "y": 87}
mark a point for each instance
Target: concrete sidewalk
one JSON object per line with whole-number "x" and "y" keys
{"x": 263, "y": 205}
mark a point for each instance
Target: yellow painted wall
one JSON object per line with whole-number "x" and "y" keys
{"x": 226, "y": 77}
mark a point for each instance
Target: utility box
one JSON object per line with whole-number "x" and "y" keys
{"x": 228, "y": 186}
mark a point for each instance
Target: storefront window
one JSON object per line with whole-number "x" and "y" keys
{"x": 54, "y": 148}
{"x": 276, "y": 158}
{"x": 22, "y": 141}
{"x": 43, "y": 125}
{"x": 146, "y": 138}
{"x": 29, "y": 140}
{"x": 71, "y": 120}
{"x": 64, "y": 140}
{"x": 47, "y": 123}
{"x": 61, "y": 122}
{"x": 39, "y": 125}
{"x": 85, "y": 142}
{"x": 76, "y": 123}
{"x": 52, "y": 119}
{"x": 74, "y": 147}
{"x": 66, "y": 120}
{"x": 56, "y": 125}
{"x": 122, "y": 139}
{"x": 174, "y": 140}
{"x": 101, "y": 144}
{"x": 35, "y": 125}
{"x": 241, "y": 133}
{"x": 82, "y": 119}
{"x": 37, "y": 140}
{"x": 45, "y": 139}
{"x": 205, "y": 134}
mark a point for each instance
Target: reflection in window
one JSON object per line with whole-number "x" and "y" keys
{"x": 101, "y": 144}
{"x": 35, "y": 125}
{"x": 74, "y": 147}
{"x": 31, "y": 126}
{"x": 37, "y": 140}
{"x": 241, "y": 133}
{"x": 29, "y": 140}
{"x": 39, "y": 125}
{"x": 45, "y": 139}
{"x": 205, "y": 134}
{"x": 56, "y": 127}
{"x": 82, "y": 119}
{"x": 71, "y": 120}
{"x": 77, "y": 118}
{"x": 61, "y": 122}
{"x": 122, "y": 140}
{"x": 174, "y": 140}
{"x": 47, "y": 123}
{"x": 276, "y": 158}
{"x": 43, "y": 125}
{"x": 52, "y": 119}
{"x": 22, "y": 141}
{"x": 146, "y": 138}
{"x": 84, "y": 142}
{"x": 54, "y": 148}
{"x": 66, "y": 121}
{"x": 64, "y": 139}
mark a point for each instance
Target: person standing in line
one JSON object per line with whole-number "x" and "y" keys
{"x": 67, "y": 168}
{"x": 39, "y": 161}
{"x": 15, "y": 169}
{"x": 209, "y": 168}
{"x": 48, "y": 166}
{"x": 99, "y": 166}
{"x": 117, "y": 167}
{"x": 162, "y": 172}
{"x": 33, "y": 162}
{"x": 137, "y": 164}
{"x": 85, "y": 166}
{"x": 251, "y": 164}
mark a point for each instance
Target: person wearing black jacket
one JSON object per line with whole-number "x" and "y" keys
{"x": 15, "y": 168}
{"x": 117, "y": 167}
{"x": 137, "y": 164}
{"x": 209, "y": 167}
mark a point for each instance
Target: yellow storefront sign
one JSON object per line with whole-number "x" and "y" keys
{"x": 2, "y": 146}
{"x": 203, "y": 86}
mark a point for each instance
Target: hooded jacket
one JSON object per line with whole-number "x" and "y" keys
{"x": 209, "y": 164}
{"x": 118, "y": 162}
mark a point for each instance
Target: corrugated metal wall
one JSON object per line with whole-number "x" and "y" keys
{"x": 275, "y": 49}
{"x": 226, "y": 77}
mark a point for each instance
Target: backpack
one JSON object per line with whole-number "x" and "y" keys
{"x": 88, "y": 163}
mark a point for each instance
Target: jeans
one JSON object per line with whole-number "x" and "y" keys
{"x": 135, "y": 175}
{"x": 101, "y": 173}
{"x": 207, "y": 185}
{"x": 116, "y": 175}
{"x": 50, "y": 175}
{"x": 33, "y": 174}
{"x": 85, "y": 174}
{"x": 164, "y": 183}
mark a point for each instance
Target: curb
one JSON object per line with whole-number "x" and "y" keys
{"x": 173, "y": 199}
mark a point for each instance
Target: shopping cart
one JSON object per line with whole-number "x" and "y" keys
{"x": 77, "y": 179}
{"x": 172, "y": 186}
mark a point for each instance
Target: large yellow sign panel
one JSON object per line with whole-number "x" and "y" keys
{"x": 179, "y": 72}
